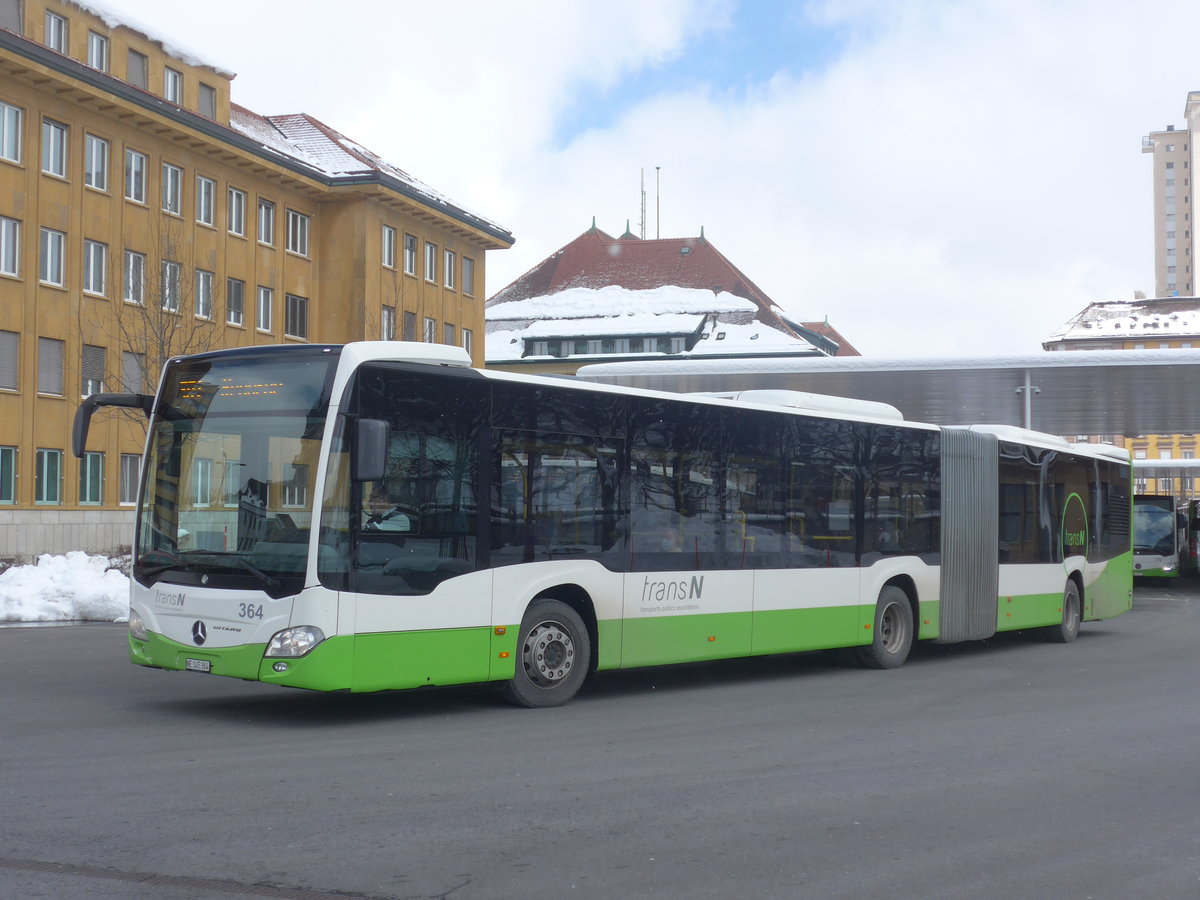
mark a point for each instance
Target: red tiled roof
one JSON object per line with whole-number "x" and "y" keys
{"x": 845, "y": 348}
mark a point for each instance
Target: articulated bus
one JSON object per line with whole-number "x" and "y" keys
{"x": 380, "y": 516}
{"x": 1159, "y": 534}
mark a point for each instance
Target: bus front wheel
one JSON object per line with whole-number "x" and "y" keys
{"x": 553, "y": 655}
{"x": 891, "y": 633}
{"x": 1068, "y": 629}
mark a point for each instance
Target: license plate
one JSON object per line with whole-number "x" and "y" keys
{"x": 199, "y": 665}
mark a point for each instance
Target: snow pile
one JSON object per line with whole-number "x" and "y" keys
{"x": 64, "y": 588}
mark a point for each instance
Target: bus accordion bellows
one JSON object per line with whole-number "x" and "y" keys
{"x": 381, "y": 516}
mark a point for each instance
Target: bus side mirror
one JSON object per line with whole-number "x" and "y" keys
{"x": 370, "y": 450}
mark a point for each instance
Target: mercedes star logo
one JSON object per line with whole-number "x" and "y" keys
{"x": 199, "y": 632}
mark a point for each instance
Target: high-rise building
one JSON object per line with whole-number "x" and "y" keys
{"x": 144, "y": 214}
{"x": 1174, "y": 199}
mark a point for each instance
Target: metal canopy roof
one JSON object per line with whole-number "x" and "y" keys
{"x": 1068, "y": 393}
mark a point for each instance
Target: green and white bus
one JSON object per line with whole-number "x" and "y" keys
{"x": 380, "y": 515}
{"x": 1160, "y": 534}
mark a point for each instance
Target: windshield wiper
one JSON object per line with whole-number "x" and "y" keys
{"x": 174, "y": 561}
{"x": 269, "y": 581}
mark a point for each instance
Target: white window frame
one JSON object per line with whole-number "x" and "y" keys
{"x": 173, "y": 86}
{"x": 129, "y": 477}
{"x": 56, "y": 32}
{"x": 10, "y": 246}
{"x": 295, "y": 486}
{"x": 12, "y": 120}
{"x": 468, "y": 276}
{"x": 172, "y": 189}
{"x": 449, "y": 258}
{"x": 297, "y": 232}
{"x": 410, "y": 254}
{"x": 95, "y": 162}
{"x": 468, "y": 339}
{"x": 206, "y": 200}
{"x": 431, "y": 261}
{"x": 133, "y": 282}
{"x": 295, "y": 316}
{"x": 387, "y": 323}
{"x": 235, "y": 315}
{"x": 236, "y": 220}
{"x": 264, "y": 301}
{"x": 170, "y": 273}
{"x": 201, "y": 482}
{"x": 50, "y": 366}
{"x": 54, "y": 148}
{"x": 93, "y": 357}
{"x": 206, "y": 100}
{"x": 10, "y": 360}
{"x": 429, "y": 334}
{"x": 51, "y": 260}
{"x": 266, "y": 222}
{"x": 95, "y": 267}
{"x": 204, "y": 294}
{"x": 136, "y": 164}
{"x": 133, "y": 371}
{"x": 388, "y": 251}
{"x": 97, "y": 51}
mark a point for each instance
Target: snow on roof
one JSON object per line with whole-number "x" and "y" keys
{"x": 170, "y": 47}
{"x": 629, "y": 324}
{"x": 579, "y": 303}
{"x": 1134, "y": 320}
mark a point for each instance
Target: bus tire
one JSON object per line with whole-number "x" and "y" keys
{"x": 891, "y": 633}
{"x": 553, "y": 656}
{"x": 1068, "y": 629}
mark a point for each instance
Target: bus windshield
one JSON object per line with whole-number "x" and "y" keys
{"x": 227, "y": 496}
{"x": 1153, "y": 529}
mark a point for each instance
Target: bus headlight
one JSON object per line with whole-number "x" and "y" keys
{"x": 137, "y": 625}
{"x": 295, "y": 642}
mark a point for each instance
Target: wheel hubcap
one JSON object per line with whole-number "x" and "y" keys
{"x": 891, "y": 628}
{"x": 548, "y": 653}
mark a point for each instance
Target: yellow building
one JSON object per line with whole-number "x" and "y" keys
{"x": 1140, "y": 325}
{"x": 143, "y": 214}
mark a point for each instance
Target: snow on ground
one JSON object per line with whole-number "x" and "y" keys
{"x": 75, "y": 587}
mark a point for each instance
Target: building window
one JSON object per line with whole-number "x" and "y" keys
{"x": 237, "y": 212}
{"x": 467, "y": 340}
{"x": 91, "y": 479}
{"x": 387, "y": 323}
{"x": 95, "y": 267}
{"x": 134, "y": 288}
{"x": 430, "y": 335}
{"x": 448, "y": 334}
{"x": 410, "y": 255}
{"x": 135, "y": 176}
{"x": 47, "y": 485}
{"x": 448, "y": 262}
{"x": 206, "y": 200}
{"x": 50, "y": 268}
{"x": 128, "y": 488}
{"x": 468, "y": 280}
{"x": 235, "y": 298}
{"x": 295, "y": 319}
{"x": 137, "y": 70}
{"x": 172, "y": 189}
{"x": 133, "y": 371}
{"x": 97, "y": 51}
{"x": 56, "y": 32}
{"x": 201, "y": 481}
{"x": 10, "y": 246}
{"x": 678, "y": 345}
{"x": 266, "y": 221}
{"x": 232, "y": 487}
{"x": 389, "y": 246}
{"x": 10, "y": 132}
{"x": 410, "y": 326}
{"x": 172, "y": 85}
{"x": 266, "y": 298}
{"x": 295, "y": 485}
{"x": 50, "y": 366}
{"x": 95, "y": 162}
{"x": 92, "y": 370}
{"x": 8, "y": 475}
{"x": 170, "y": 285}
{"x": 431, "y": 262}
{"x": 208, "y": 101}
{"x": 54, "y": 148}
{"x": 10, "y": 344}
{"x": 297, "y": 232}
{"x": 204, "y": 294}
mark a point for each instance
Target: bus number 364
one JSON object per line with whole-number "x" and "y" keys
{"x": 250, "y": 610}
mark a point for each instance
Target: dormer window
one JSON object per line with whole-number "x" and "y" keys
{"x": 97, "y": 50}
{"x": 137, "y": 70}
{"x": 56, "y": 32}
{"x": 172, "y": 86}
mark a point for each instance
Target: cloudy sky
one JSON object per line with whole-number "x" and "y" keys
{"x": 937, "y": 177}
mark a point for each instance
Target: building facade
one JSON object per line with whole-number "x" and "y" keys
{"x": 1174, "y": 151}
{"x": 604, "y": 299}
{"x": 1162, "y": 324}
{"x": 145, "y": 214}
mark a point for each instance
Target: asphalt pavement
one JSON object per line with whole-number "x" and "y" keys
{"x": 1007, "y": 768}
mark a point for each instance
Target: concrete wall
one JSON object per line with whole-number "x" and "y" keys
{"x": 27, "y": 533}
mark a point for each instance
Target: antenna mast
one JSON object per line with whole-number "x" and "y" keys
{"x": 643, "y": 203}
{"x": 657, "y": 202}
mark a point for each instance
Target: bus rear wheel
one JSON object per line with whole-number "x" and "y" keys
{"x": 1068, "y": 629}
{"x": 891, "y": 633}
{"x": 553, "y": 656}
